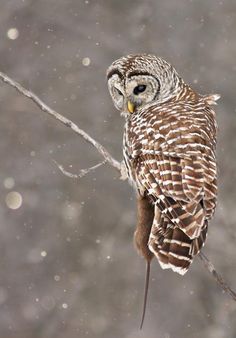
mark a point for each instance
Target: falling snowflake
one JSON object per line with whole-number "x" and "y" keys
{"x": 12, "y": 33}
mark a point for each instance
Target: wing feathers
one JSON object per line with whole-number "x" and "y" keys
{"x": 170, "y": 156}
{"x": 172, "y": 247}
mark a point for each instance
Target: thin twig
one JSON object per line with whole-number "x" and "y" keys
{"x": 109, "y": 159}
{"x": 222, "y": 283}
{"x": 44, "y": 107}
{"x": 81, "y": 173}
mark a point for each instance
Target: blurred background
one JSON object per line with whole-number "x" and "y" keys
{"x": 68, "y": 266}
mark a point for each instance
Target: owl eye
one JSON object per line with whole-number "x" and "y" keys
{"x": 139, "y": 89}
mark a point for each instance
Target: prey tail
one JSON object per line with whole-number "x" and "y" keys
{"x": 146, "y": 285}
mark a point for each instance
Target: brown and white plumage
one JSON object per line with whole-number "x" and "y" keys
{"x": 169, "y": 153}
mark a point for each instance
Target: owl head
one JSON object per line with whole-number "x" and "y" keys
{"x": 137, "y": 80}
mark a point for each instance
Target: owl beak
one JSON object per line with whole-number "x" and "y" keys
{"x": 130, "y": 107}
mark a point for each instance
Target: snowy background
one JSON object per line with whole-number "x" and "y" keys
{"x": 68, "y": 266}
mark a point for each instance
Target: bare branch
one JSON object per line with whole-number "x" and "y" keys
{"x": 27, "y": 93}
{"x": 81, "y": 173}
{"x": 210, "y": 267}
{"x": 108, "y": 158}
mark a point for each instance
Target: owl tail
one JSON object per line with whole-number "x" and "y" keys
{"x": 172, "y": 247}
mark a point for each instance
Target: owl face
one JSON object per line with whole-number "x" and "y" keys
{"x": 136, "y": 80}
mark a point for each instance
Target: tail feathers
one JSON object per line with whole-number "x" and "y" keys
{"x": 172, "y": 247}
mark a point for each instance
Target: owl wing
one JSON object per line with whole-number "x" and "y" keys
{"x": 186, "y": 198}
{"x": 176, "y": 166}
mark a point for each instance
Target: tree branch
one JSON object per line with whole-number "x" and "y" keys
{"x": 108, "y": 158}
{"x": 44, "y": 107}
{"x": 210, "y": 267}
{"x": 81, "y": 173}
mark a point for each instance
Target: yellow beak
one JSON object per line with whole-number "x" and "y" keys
{"x": 130, "y": 106}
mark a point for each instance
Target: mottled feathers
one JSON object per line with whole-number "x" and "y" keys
{"x": 169, "y": 153}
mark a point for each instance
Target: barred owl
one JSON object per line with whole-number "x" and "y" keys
{"x": 169, "y": 153}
